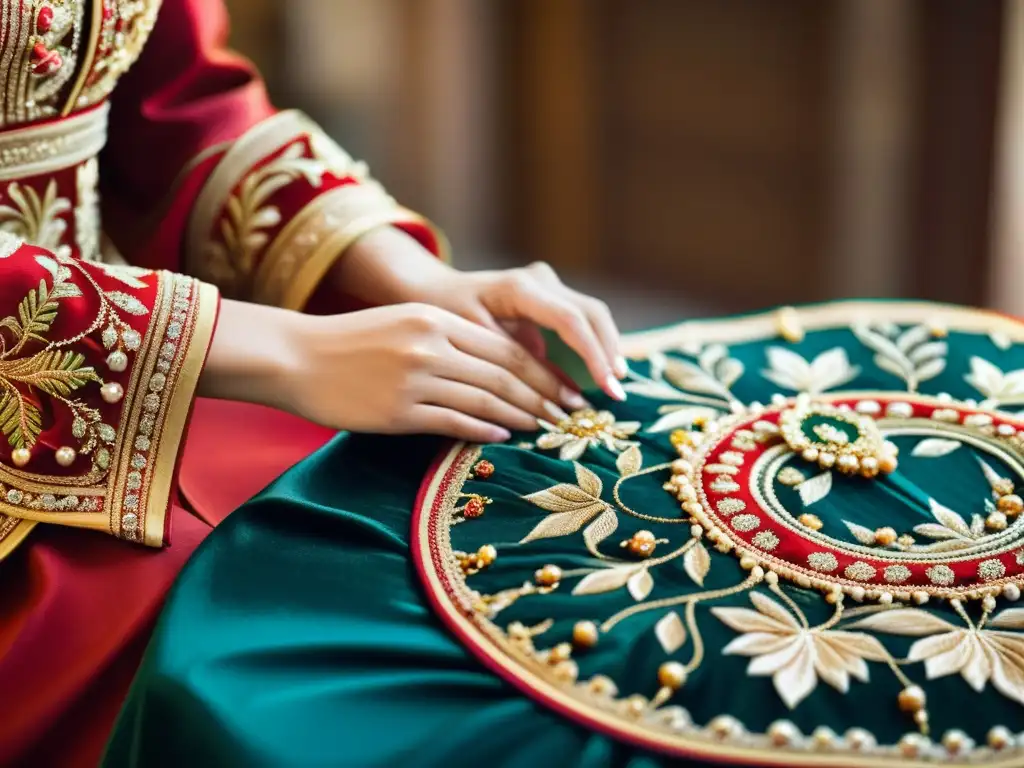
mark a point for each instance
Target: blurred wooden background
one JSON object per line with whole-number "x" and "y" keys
{"x": 739, "y": 152}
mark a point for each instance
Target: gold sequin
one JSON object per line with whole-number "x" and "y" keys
{"x": 744, "y": 523}
{"x": 822, "y": 561}
{"x": 940, "y": 574}
{"x": 731, "y": 506}
{"x": 896, "y": 574}
{"x": 991, "y": 569}
{"x": 765, "y": 540}
{"x": 860, "y": 571}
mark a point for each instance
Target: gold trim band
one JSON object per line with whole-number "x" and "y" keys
{"x": 40, "y": 149}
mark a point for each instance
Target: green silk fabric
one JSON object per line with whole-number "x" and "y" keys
{"x": 300, "y": 635}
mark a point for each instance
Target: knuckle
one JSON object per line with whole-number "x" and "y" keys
{"x": 423, "y": 319}
{"x": 543, "y": 268}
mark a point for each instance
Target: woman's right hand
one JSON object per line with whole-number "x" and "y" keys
{"x": 407, "y": 368}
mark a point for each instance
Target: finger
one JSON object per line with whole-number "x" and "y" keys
{"x": 502, "y": 351}
{"x": 437, "y": 420}
{"x": 528, "y": 334}
{"x": 553, "y": 310}
{"x": 604, "y": 326}
{"x": 500, "y": 382}
{"x": 477, "y": 402}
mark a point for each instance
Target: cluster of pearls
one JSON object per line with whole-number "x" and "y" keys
{"x": 474, "y": 562}
{"x": 867, "y": 454}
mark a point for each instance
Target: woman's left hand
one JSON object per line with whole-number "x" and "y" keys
{"x": 389, "y": 267}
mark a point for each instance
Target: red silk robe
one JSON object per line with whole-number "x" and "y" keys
{"x": 102, "y": 498}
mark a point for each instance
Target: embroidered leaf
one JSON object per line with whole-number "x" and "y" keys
{"x": 934, "y": 531}
{"x": 640, "y": 584}
{"x": 912, "y": 622}
{"x": 911, "y": 338}
{"x": 862, "y": 534}
{"x": 589, "y": 482}
{"x": 993, "y": 383}
{"x": 1011, "y": 618}
{"x": 127, "y": 275}
{"x": 688, "y": 377}
{"x": 911, "y": 357}
{"x": 20, "y": 420}
{"x": 604, "y": 580}
{"x": 789, "y": 370}
{"x": 126, "y": 303}
{"x": 815, "y": 489}
{"x": 949, "y": 518}
{"x": 934, "y": 447}
{"x": 1001, "y": 340}
{"x": 991, "y": 475}
{"x": 629, "y": 461}
{"x": 697, "y": 563}
{"x": 55, "y": 373}
{"x": 49, "y": 265}
{"x": 977, "y": 525}
{"x": 599, "y": 530}
{"x": 681, "y": 417}
{"x": 670, "y": 632}
{"x": 563, "y": 523}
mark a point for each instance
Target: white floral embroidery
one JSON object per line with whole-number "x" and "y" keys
{"x": 911, "y": 355}
{"x": 795, "y": 655}
{"x": 998, "y": 388}
{"x": 828, "y": 370}
{"x": 584, "y": 429}
{"x": 36, "y": 219}
{"x": 978, "y": 655}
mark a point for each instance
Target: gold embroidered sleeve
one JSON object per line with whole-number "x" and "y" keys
{"x": 98, "y": 369}
{"x": 279, "y": 208}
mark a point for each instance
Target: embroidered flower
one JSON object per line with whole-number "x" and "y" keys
{"x": 575, "y": 433}
{"x": 796, "y": 655}
{"x": 828, "y": 370}
{"x": 978, "y": 655}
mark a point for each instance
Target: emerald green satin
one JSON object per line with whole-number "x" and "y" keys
{"x": 299, "y": 634}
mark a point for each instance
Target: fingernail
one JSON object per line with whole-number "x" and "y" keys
{"x": 500, "y": 435}
{"x": 556, "y": 413}
{"x": 573, "y": 399}
{"x": 621, "y": 367}
{"x": 614, "y": 388}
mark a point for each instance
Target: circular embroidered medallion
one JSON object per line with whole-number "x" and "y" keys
{"x": 953, "y": 556}
{"x": 830, "y": 579}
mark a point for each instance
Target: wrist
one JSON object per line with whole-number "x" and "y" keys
{"x": 387, "y": 266}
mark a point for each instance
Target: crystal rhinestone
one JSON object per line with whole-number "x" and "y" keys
{"x": 138, "y": 461}
{"x": 146, "y": 424}
{"x": 860, "y": 739}
{"x": 106, "y": 432}
{"x": 783, "y": 733}
{"x": 78, "y": 427}
{"x": 142, "y": 443}
{"x": 163, "y": 366}
{"x": 102, "y": 458}
{"x": 130, "y": 522}
{"x": 168, "y": 350}
{"x": 109, "y": 336}
{"x": 134, "y": 481}
{"x": 151, "y": 403}
{"x": 157, "y": 382}
{"x": 48, "y": 501}
{"x": 173, "y": 330}
{"x": 14, "y": 496}
{"x": 131, "y": 501}
{"x": 132, "y": 340}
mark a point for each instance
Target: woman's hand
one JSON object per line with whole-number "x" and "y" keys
{"x": 409, "y": 368}
{"x": 389, "y": 267}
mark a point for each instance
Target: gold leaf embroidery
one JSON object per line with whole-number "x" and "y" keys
{"x": 629, "y": 461}
{"x": 605, "y": 580}
{"x": 640, "y": 584}
{"x": 599, "y": 530}
{"x": 36, "y": 219}
{"x": 126, "y": 303}
{"x": 670, "y": 632}
{"x": 907, "y": 355}
{"x": 697, "y": 563}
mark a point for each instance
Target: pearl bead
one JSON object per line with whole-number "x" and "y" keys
{"x": 810, "y": 454}
{"x": 117, "y": 362}
{"x": 887, "y": 464}
{"x": 561, "y": 652}
{"x": 746, "y": 563}
{"x": 782, "y": 733}
{"x": 836, "y": 596}
{"x": 823, "y": 738}
{"x": 21, "y": 456}
{"x": 912, "y": 745}
{"x": 1000, "y": 737}
{"x": 696, "y": 531}
{"x": 687, "y": 493}
{"x": 956, "y": 742}
{"x": 112, "y": 392}
{"x": 869, "y": 466}
{"x": 912, "y": 698}
{"x": 857, "y": 593}
{"x": 1003, "y": 486}
{"x": 826, "y": 459}
{"x": 885, "y": 536}
{"x": 885, "y": 598}
{"x": 693, "y": 508}
{"x": 1011, "y": 592}
{"x": 920, "y": 597}
{"x": 66, "y": 456}
{"x": 602, "y": 685}
{"x": 848, "y": 463}
{"x": 725, "y": 726}
{"x": 636, "y": 705}
{"x": 1011, "y": 504}
{"x": 757, "y": 573}
{"x": 644, "y": 537}
{"x": 989, "y": 603}
{"x": 566, "y": 671}
{"x": 682, "y": 466}
{"x": 487, "y": 554}
{"x": 859, "y": 739}
{"x": 996, "y": 521}
{"x": 810, "y": 521}
{"x": 771, "y": 578}
{"x": 548, "y": 576}
{"x": 672, "y": 675}
{"x": 906, "y": 540}
{"x": 585, "y": 634}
